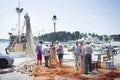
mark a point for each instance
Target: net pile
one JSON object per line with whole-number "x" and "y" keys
{"x": 53, "y": 72}
{"x": 30, "y": 43}
{"x": 108, "y": 76}
{"x": 66, "y": 72}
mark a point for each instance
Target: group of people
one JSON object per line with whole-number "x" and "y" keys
{"x": 82, "y": 53}
{"x": 49, "y": 52}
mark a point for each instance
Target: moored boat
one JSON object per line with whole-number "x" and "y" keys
{"x": 22, "y": 44}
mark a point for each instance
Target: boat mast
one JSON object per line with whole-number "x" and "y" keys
{"x": 19, "y": 11}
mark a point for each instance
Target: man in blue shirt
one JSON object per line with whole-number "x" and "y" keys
{"x": 39, "y": 52}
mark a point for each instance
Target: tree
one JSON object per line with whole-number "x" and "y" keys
{"x": 66, "y": 36}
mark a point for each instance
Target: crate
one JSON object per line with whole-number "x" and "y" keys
{"x": 109, "y": 64}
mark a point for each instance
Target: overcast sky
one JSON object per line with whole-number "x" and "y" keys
{"x": 98, "y": 16}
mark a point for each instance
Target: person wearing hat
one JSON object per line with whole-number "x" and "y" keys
{"x": 87, "y": 57}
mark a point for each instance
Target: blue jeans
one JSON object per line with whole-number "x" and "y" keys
{"x": 87, "y": 62}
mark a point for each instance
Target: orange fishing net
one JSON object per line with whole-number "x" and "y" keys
{"x": 67, "y": 72}
{"x": 49, "y": 73}
{"x": 108, "y": 76}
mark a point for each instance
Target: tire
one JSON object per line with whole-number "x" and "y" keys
{"x": 3, "y": 63}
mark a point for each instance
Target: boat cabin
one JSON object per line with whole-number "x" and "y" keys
{"x": 17, "y": 43}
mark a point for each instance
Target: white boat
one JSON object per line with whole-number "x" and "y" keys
{"x": 22, "y": 45}
{"x": 17, "y": 40}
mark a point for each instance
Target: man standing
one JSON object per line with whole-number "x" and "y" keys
{"x": 87, "y": 57}
{"x": 60, "y": 52}
{"x": 39, "y": 52}
{"x": 77, "y": 54}
{"x": 46, "y": 54}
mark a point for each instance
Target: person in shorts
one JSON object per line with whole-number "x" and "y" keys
{"x": 46, "y": 54}
{"x": 39, "y": 52}
{"x": 60, "y": 52}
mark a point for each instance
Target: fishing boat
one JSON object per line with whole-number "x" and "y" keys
{"x": 16, "y": 45}
{"x": 22, "y": 44}
{"x": 17, "y": 41}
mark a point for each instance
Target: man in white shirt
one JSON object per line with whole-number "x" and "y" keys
{"x": 77, "y": 54}
{"x": 46, "y": 54}
{"x": 60, "y": 52}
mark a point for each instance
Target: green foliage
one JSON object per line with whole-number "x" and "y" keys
{"x": 66, "y": 36}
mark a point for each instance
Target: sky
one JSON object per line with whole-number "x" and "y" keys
{"x": 85, "y": 16}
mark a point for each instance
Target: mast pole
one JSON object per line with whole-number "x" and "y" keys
{"x": 19, "y": 11}
{"x": 19, "y": 22}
